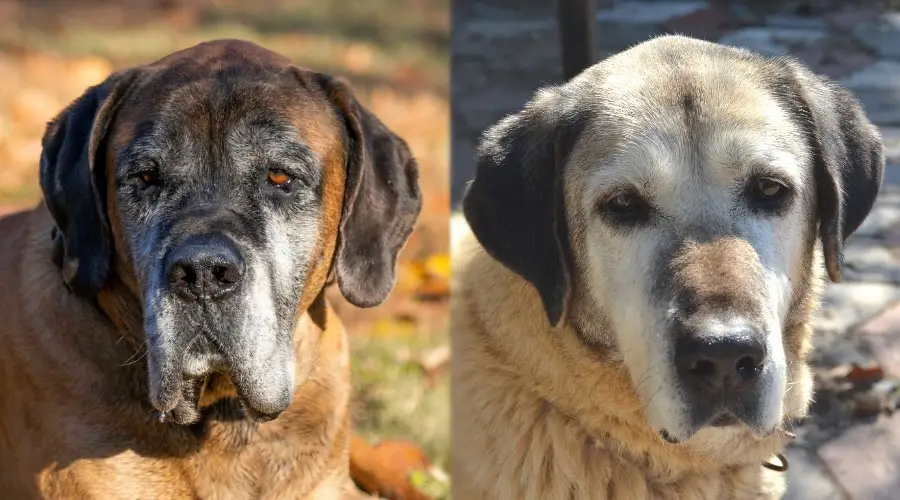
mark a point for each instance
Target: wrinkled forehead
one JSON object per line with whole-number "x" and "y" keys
{"x": 715, "y": 120}
{"x": 226, "y": 113}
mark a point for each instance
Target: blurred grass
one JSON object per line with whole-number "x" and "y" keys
{"x": 395, "y": 398}
{"x": 373, "y": 41}
{"x": 396, "y": 55}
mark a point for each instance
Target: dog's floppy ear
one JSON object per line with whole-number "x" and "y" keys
{"x": 72, "y": 179}
{"x": 381, "y": 201}
{"x": 848, "y": 158}
{"x": 514, "y": 204}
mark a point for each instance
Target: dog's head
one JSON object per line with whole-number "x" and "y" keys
{"x": 226, "y": 187}
{"x": 668, "y": 203}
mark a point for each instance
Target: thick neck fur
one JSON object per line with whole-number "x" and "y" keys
{"x": 555, "y": 410}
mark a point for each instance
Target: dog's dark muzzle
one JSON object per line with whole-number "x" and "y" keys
{"x": 205, "y": 267}
{"x": 721, "y": 373}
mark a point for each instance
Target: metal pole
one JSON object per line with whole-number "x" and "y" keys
{"x": 577, "y": 26}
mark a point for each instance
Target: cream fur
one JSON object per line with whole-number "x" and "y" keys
{"x": 536, "y": 415}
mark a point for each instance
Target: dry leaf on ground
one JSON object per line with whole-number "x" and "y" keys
{"x": 385, "y": 469}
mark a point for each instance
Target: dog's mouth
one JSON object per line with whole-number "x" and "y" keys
{"x": 730, "y": 412}
{"x": 201, "y": 374}
{"x": 724, "y": 419}
{"x": 200, "y": 394}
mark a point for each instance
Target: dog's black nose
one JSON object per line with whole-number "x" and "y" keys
{"x": 205, "y": 267}
{"x": 730, "y": 360}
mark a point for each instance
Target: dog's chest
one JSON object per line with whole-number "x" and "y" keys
{"x": 226, "y": 460}
{"x": 245, "y": 460}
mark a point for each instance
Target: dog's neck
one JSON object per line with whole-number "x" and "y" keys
{"x": 122, "y": 308}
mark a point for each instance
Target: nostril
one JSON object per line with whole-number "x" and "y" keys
{"x": 747, "y": 367}
{"x": 205, "y": 267}
{"x": 703, "y": 369}
{"x": 227, "y": 275}
{"x": 183, "y": 273}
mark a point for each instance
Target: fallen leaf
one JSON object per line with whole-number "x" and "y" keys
{"x": 439, "y": 266}
{"x": 409, "y": 277}
{"x": 395, "y": 327}
{"x": 434, "y": 276}
{"x": 433, "y": 289}
{"x": 386, "y": 468}
{"x": 837, "y": 372}
{"x": 868, "y": 403}
{"x": 435, "y": 362}
{"x": 866, "y": 374}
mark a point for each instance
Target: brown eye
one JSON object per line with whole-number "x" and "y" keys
{"x": 768, "y": 195}
{"x": 278, "y": 178}
{"x": 148, "y": 178}
{"x": 623, "y": 202}
{"x": 625, "y": 208}
{"x": 767, "y": 188}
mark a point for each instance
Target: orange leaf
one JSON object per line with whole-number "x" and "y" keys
{"x": 866, "y": 374}
{"x": 384, "y": 469}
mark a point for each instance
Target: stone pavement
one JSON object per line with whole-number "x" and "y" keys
{"x": 504, "y": 49}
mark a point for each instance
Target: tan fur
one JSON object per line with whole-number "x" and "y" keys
{"x": 68, "y": 443}
{"x": 537, "y": 414}
{"x": 557, "y": 412}
{"x": 65, "y": 435}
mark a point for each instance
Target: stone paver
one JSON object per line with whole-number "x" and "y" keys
{"x": 630, "y": 23}
{"x": 884, "y": 215}
{"x": 833, "y": 58}
{"x": 878, "y": 88}
{"x": 891, "y": 138}
{"x": 881, "y": 337}
{"x": 865, "y": 459}
{"x": 796, "y": 22}
{"x": 881, "y": 35}
{"x": 505, "y": 49}
{"x": 808, "y": 478}
{"x": 869, "y": 260}
{"x": 709, "y": 23}
{"x": 845, "y": 306}
{"x": 773, "y": 41}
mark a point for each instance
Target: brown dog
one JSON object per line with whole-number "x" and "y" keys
{"x": 165, "y": 302}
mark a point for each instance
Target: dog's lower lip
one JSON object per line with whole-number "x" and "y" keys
{"x": 257, "y": 416}
{"x": 724, "y": 419}
{"x": 667, "y": 437}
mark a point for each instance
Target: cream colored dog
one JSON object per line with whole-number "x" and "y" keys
{"x": 632, "y": 306}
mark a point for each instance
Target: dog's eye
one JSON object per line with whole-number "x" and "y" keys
{"x": 768, "y": 194}
{"x": 148, "y": 178}
{"x": 278, "y": 178}
{"x": 624, "y": 202}
{"x": 626, "y": 207}
{"x": 768, "y": 189}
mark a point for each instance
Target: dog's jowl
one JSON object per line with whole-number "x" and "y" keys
{"x": 646, "y": 247}
{"x": 165, "y": 331}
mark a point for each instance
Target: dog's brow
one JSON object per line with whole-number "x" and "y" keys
{"x": 145, "y": 148}
{"x": 274, "y": 140}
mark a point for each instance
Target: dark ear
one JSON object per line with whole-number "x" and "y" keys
{"x": 73, "y": 181}
{"x": 848, "y": 158}
{"x": 514, "y": 205}
{"x": 381, "y": 201}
